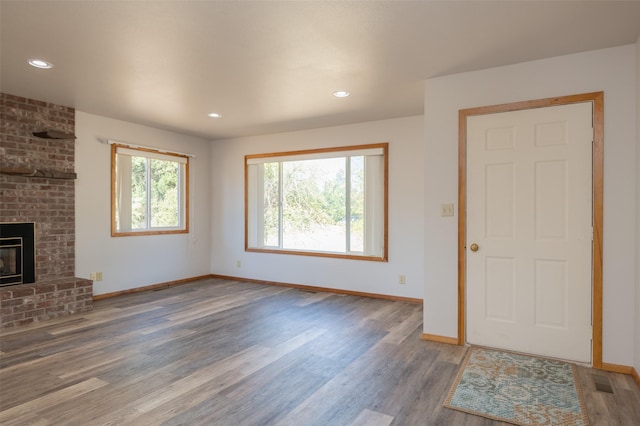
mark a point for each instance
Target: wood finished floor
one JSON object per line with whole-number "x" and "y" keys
{"x": 219, "y": 352}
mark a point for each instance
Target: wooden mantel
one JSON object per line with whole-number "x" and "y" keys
{"x": 37, "y": 173}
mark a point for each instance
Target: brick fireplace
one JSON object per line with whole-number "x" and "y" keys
{"x": 37, "y": 185}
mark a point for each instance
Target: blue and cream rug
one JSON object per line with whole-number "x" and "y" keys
{"x": 518, "y": 389}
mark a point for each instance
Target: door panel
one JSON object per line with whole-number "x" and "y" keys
{"x": 529, "y": 209}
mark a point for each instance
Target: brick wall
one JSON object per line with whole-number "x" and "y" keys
{"x": 27, "y": 303}
{"x": 47, "y": 202}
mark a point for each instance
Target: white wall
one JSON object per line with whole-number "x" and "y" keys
{"x": 129, "y": 262}
{"x": 637, "y": 322}
{"x": 609, "y": 70}
{"x": 406, "y": 182}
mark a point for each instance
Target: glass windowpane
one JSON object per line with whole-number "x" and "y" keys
{"x": 270, "y": 200}
{"x": 356, "y": 235}
{"x": 313, "y": 213}
{"x": 150, "y": 192}
{"x": 327, "y": 201}
{"x": 138, "y": 193}
{"x": 164, "y": 194}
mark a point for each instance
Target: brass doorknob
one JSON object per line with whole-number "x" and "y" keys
{"x": 474, "y": 247}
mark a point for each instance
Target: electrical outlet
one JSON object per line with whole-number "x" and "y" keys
{"x": 238, "y": 264}
{"x": 95, "y": 276}
{"x": 446, "y": 209}
{"x": 402, "y": 279}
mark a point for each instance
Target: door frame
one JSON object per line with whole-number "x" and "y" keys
{"x": 597, "y": 98}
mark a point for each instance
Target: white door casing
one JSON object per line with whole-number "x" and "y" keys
{"x": 529, "y": 209}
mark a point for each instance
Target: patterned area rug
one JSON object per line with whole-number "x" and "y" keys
{"x": 517, "y": 389}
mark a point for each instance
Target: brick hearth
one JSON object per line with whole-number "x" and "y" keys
{"x": 48, "y": 202}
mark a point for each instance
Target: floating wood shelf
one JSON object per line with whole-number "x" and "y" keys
{"x": 54, "y": 134}
{"x": 37, "y": 173}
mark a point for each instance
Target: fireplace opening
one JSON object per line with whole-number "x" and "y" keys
{"x": 10, "y": 261}
{"x": 17, "y": 253}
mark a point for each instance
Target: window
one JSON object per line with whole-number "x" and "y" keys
{"x": 149, "y": 191}
{"x": 326, "y": 202}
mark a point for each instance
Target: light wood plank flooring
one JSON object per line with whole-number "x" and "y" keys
{"x": 219, "y": 352}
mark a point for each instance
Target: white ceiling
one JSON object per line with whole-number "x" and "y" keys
{"x": 271, "y": 66}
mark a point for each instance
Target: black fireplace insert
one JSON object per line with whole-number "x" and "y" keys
{"x": 17, "y": 253}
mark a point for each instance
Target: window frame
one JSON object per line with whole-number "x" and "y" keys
{"x": 385, "y": 204}
{"x": 184, "y": 210}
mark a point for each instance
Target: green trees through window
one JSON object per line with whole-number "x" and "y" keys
{"x": 150, "y": 192}
{"x": 325, "y": 201}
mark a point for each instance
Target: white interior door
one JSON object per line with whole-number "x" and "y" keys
{"x": 529, "y": 211}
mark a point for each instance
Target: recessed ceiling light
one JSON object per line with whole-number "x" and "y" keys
{"x": 215, "y": 115}
{"x": 40, "y": 63}
{"x": 341, "y": 93}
